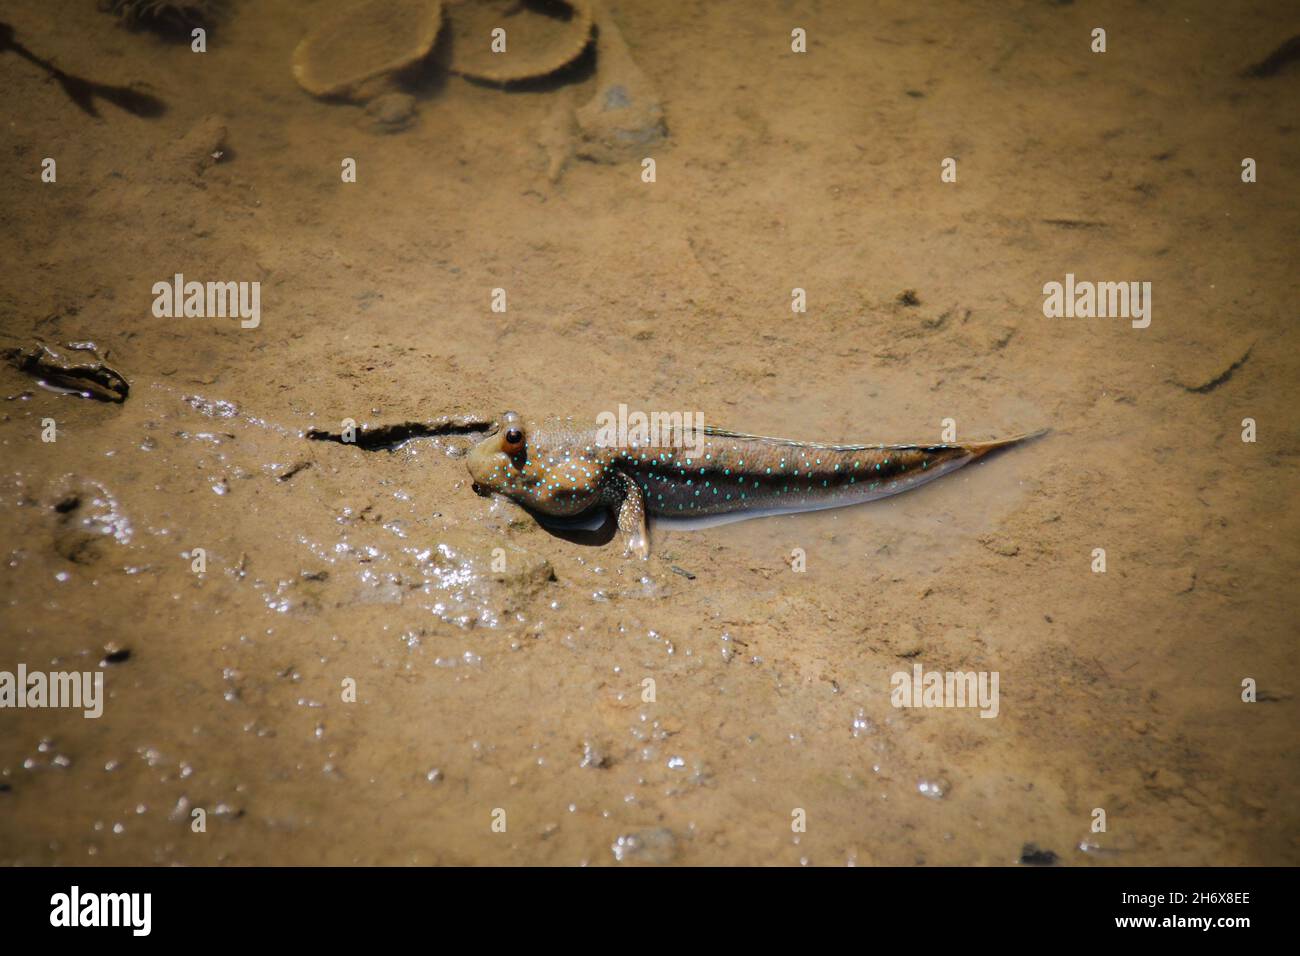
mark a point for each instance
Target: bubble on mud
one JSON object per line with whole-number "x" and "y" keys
{"x": 934, "y": 789}
{"x": 86, "y": 514}
{"x": 365, "y": 42}
{"x": 593, "y": 756}
{"x": 458, "y": 579}
{"x": 181, "y": 811}
{"x": 657, "y": 846}
{"x": 213, "y": 408}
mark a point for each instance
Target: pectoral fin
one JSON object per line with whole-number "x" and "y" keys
{"x": 631, "y": 518}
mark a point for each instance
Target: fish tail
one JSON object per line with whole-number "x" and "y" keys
{"x": 979, "y": 449}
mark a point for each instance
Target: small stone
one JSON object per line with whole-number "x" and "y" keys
{"x": 202, "y": 147}
{"x": 114, "y": 654}
{"x": 1031, "y": 855}
{"x": 625, "y": 116}
{"x": 390, "y": 113}
{"x": 1002, "y": 546}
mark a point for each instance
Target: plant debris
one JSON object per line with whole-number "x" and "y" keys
{"x": 58, "y": 371}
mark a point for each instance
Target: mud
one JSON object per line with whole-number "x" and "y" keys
{"x": 518, "y": 685}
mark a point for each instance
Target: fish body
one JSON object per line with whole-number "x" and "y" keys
{"x": 559, "y": 467}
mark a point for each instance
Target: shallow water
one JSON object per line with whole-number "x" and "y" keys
{"x": 521, "y": 691}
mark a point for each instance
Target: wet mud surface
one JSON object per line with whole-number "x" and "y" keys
{"x": 483, "y": 684}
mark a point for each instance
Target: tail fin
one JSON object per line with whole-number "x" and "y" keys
{"x": 979, "y": 449}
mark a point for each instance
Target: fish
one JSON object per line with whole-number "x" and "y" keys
{"x": 561, "y": 468}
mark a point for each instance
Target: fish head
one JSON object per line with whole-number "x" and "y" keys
{"x": 550, "y": 466}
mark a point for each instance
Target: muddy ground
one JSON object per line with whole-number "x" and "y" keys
{"x": 522, "y": 691}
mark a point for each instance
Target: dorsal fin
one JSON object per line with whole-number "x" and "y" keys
{"x": 828, "y": 446}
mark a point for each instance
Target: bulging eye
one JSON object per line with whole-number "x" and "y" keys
{"x": 513, "y": 440}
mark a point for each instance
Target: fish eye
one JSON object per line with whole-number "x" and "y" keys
{"x": 513, "y": 441}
